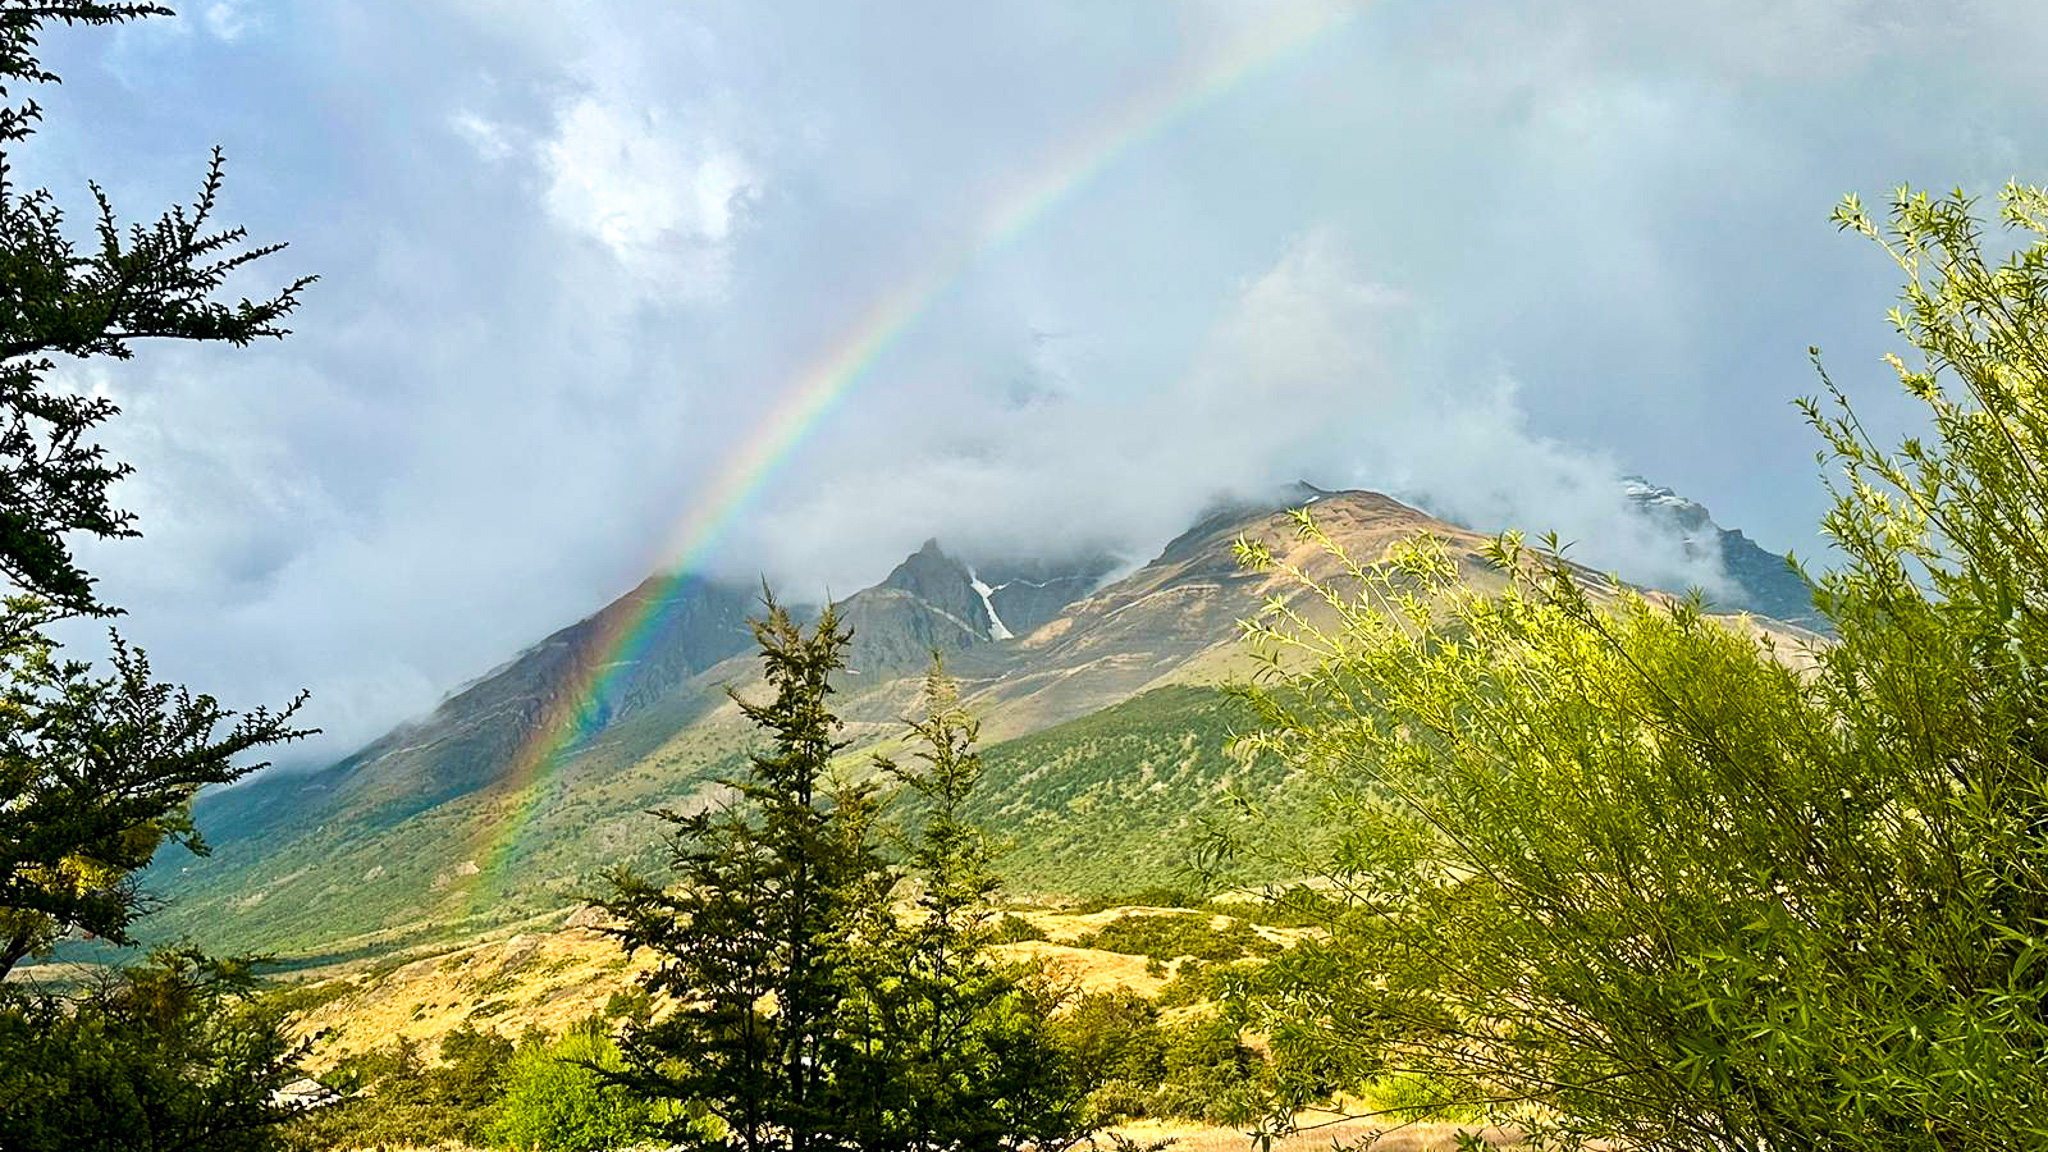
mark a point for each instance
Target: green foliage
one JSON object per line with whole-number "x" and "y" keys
{"x": 565, "y": 1097}
{"x": 1170, "y": 937}
{"x": 1114, "y": 1040}
{"x": 1113, "y": 806}
{"x": 811, "y": 1014}
{"x": 1208, "y": 1073}
{"x": 1015, "y": 929}
{"x": 630, "y": 1004}
{"x": 393, "y": 1097}
{"x": 1194, "y": 1068}
{"x": 944, "y": 1046}
{"x": 1620, "y": 872}
{"x": 174, "y": 1054}
{"x": 300, "y": 999}
{"x": 156, "y": 282}
{"x": 1192, "y": 983}
{"x": 96, "y": 773}
{"x": 748, "y": 939}
{"x": 1412, "y": 1096}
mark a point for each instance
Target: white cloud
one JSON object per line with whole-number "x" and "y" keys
{"x": 657, "y": 186}
{"x": 491, "y": 140}
{"x": 227, "y": 20}
{"x": 1300, "y": 378}
{"x": 1605, "y": 221}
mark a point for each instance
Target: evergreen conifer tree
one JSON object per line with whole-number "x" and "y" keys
{"x": 812, "y": 1009}
{"x": 748, "y": 933}
{"x": 950, "y": 1043}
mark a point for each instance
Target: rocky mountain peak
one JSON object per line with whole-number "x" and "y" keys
{"x": 1689, "y": 516}
{"x": 942, "y": 583}
{"x": 1764, "y": 581}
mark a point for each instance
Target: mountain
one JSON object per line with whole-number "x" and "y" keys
{"x": 1765, "y": 582}
{"x": 1103, "y": 729}
{"x": 690, "y": 625}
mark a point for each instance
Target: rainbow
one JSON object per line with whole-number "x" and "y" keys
{"x": 577, "y": 709}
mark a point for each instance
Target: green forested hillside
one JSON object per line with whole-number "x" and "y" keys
{"x": 1116, "y": 801}
{"x": 479, "y": 859}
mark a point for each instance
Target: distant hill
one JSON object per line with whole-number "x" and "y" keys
{"x": 1102, "y": 727}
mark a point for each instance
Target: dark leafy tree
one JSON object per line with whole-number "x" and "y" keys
{"x": 175, "y": 1054}
{"x": 95, "y": 775}
{"x": 160, "y": 281}
{"x": 95, "y": 772}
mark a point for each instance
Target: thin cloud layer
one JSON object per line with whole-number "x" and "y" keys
{"x": 574, "y": 259}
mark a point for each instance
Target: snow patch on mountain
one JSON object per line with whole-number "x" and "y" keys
{"x": 1690, "y": 516}
{"x": 996, "y": 631}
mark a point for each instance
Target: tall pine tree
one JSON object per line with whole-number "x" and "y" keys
{"x": 948, "y": 1042}
{"x": 748, "y": 932}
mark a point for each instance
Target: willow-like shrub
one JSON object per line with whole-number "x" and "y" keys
{"x": 1608, "y": 867}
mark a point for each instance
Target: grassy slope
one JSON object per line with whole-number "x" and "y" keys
{"x": 1115, "y": 802}
{"x": 370, "y": 886}
{"x": 1106, "y": 804}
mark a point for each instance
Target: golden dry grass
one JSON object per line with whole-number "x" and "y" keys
{"x": 550, "y": 977}
{"x": 546, "y": 980}
{"x": 1318, "y": 1135}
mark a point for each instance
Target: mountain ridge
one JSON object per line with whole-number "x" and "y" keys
{"x": 422, "y": 829}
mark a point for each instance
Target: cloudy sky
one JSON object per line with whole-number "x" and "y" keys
{"x": 1094, "y": 262}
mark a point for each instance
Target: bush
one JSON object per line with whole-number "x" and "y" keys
{"x": 1194, "y": 1069}
{"x": 1192, "y": 983}
{"x": 1208, "y": 1073}
{"x": 1171, "y": 937}
{"x": 1626, "y": 871}
{"x": 1015, "y": 929}
{"x": 174, "y": 1050}
{"x": 300, "y": 999}
{"x": 1418, "y": 1097}
{"x": 556, "y": 1097}
{"x": 393, "y": 1097}
{"x": 1114, "y": 1041}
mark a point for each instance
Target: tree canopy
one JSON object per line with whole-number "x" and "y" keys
{"x": 95, "y": 771}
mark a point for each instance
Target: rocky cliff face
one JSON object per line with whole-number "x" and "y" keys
{"x": 1025, "y": 595}
{"x": 1765, "y": 582}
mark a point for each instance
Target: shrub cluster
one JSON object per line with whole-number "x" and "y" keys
{"x": 543, "y": 1091}
{"x": 1170, "y": 937}
{"x": 1143, "y": 1066}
